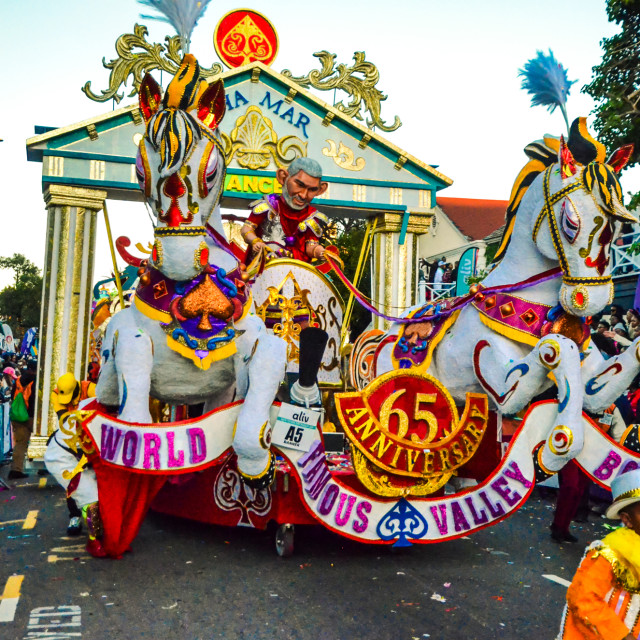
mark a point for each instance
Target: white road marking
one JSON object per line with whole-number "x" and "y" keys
{"x": 9, "y": 598}
{"x": 558, "y": 579}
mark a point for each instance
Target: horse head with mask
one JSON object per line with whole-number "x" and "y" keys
{"x": 188, "y": 336}
{"x": 525, "y": 327}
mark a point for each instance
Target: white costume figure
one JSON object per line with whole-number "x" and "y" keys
{"x": 188, "y": 337}
{"x": 523, "y": 328}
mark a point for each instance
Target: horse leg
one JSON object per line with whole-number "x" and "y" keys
{"x": 132, "y": 351}
{"x": 261, "y": 360}
{"x": 606, "y": 380}
{"x": 513, "y": 383}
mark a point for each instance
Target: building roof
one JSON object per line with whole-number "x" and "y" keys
{"x": 476, "y": 219}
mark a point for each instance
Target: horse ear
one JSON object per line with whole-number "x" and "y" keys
{"x": 619, "y": 159}
{"x": 149, "y": 97}
{"x": 566, "y": 159}
{"x": 212, "y": 105}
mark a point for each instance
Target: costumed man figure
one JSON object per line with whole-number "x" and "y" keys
{"x": 287, "y": 225}
{"x": 64, "y": 456}
{"x": 603, "y": 600}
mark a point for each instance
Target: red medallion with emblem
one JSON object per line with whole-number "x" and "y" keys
{"x": 245, "y": 36}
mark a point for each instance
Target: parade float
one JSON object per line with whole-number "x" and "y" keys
{"x": 408, "y": 445}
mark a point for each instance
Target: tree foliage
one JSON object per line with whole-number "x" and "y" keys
{"x": 20, "y": 303}
{"x": 350, "y": 234}
{"x": 616, "y": 83}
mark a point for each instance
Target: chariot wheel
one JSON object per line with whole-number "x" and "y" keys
{"x": 284, "y": 540}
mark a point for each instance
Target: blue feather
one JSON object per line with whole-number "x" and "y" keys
{"x": 546, "y": 80}
{"x": 183, "y": 15}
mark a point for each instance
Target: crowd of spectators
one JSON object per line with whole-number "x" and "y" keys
{"x": 18, "y": 374}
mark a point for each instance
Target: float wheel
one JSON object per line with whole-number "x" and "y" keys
{"x": 284, "y": 540}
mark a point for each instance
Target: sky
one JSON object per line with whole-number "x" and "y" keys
{"x": 449, "y": 69}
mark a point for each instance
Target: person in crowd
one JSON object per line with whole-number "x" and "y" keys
{"x": 65, "y": 398}
{"x": 22, "y": 429}
{"x": 634, "y": 398}
{"x": 7, "y": 384}
{"x": 603, "y": 326}
{"x": 615, "y": 321}
{"x": 603, "y": 599}
{"x": 447, "y": 276}
{"x": 633, "y": 323}
{"x": 603, "y": 342}
{"x": 619, "y": 337}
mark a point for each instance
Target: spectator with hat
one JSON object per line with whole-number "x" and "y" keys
{"x": 603, "y": 600}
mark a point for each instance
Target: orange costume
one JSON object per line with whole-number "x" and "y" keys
{"x": 603, "y": 601}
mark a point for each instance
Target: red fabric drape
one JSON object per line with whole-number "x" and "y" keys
{"x": 124, "y": 500}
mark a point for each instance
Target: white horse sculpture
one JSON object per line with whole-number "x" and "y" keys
{"x": 523, "y": 328}
{"x": 188, "y": 337}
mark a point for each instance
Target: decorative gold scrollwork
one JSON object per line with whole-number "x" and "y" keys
{"x": 74, "y": 437}
{"x": 361, "y": 87}
{"x": 343, "y": 156}
{"x": 254, "y": 143}
{"x": 129, "y": 63}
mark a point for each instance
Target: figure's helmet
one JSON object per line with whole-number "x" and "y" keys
{"x": 68, "y": 387}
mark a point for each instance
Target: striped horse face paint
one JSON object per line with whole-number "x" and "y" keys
{"x": 181, "y": 165}
{"x": 574, "y": 229}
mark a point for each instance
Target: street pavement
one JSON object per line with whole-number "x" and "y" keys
{"x": 185, "y": 580}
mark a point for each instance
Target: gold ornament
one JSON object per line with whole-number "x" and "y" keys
{"x": 165, "y": 57}
{"x": 254, "y": 143}
{"x": 361, "y": 87}
{"x": 343, "y": 156}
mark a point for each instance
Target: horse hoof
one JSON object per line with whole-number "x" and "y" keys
{"x": 264, "y": 480}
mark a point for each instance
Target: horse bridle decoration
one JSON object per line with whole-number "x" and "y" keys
{"x": 547, "y": 211}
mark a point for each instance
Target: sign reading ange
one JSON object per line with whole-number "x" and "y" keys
{"x": 243, "y": 36}
{"x": 406, "y": 424}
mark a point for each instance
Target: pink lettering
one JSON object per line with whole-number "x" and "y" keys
{"x": 130, "y": 448}
{"x": 151, "y": 450}
{"x": 495, "y": 511}
{"x": 328, "y": 499}
{"x": 342, "y": 518}
{"x": 608, "y": 466}
{"x": 459, "y": 521}
{"x": 483, "y": 518}
{"x": 316, "y": 451}
{"x": 315, "y": 489}
{"x": 197, "y": 445}
{"x": 110, "y": 442}
{"x": 515, "y": 474}
{"x": 501, "y": 487}
{"x": 172, "y": 461}
{"x": 443, "y": 526}
{"x": 316, "y": 477}
{"x": 360, "y": 526}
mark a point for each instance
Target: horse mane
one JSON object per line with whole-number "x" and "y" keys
{"x": 542, "y": 153}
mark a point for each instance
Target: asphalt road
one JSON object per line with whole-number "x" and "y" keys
{"x": 186, "y": 580}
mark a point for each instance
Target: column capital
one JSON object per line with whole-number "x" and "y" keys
{"x": 65, "y": 196}
{"x": 419, "y": 221}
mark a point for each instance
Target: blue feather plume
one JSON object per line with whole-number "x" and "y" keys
{"x": 546, "y": 80}
{"x": 183, "y": 15}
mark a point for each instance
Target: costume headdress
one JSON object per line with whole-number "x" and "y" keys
{"x": 626, "y": 491}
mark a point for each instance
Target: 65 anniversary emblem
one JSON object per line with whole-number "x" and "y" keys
{"x": 408, "y": 437}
